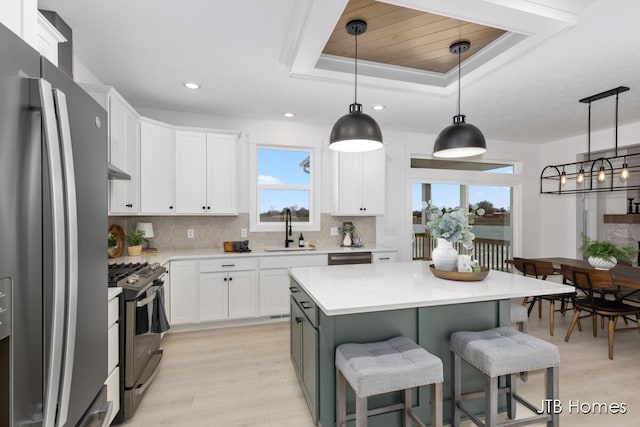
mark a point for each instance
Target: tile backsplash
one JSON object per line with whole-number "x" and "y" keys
{"x": 210, "y": 232}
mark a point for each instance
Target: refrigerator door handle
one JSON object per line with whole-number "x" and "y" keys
{"x": 41, "y": 94}
{"x": 71, "y": 209}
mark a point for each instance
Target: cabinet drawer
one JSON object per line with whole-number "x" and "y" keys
{"x": 384, "y": 257}
{"x": 293, "y": 261}
{"x": 305, "y": 302}
{"x": 112, "y": 311}
{"x": 112, "y": 352}
{"x": 113, "y": 392}
{"x": 227, "y": 264}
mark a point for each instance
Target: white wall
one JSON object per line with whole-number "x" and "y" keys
{"x": 81, "y": 74}
{"x": 392, "y": 229}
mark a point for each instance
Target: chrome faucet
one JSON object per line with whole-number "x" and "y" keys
{"x": 287, "y": 227}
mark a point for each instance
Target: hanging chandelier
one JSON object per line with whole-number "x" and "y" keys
{"x": 598, "y": 175}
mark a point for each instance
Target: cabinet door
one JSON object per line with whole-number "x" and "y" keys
{"x": 349, "y": 184}
{"x": 373, "y": 182}
{"x": 191, "y": 173}
{"x": 157, "y": 161}
{"x": 183, "y": 292}
{"x": 214, "y": 296}
{"x": 310, "y": 366}
{"x": 221, "y": 174}
{"x": 274, "y": 292}
{"x": 124, "y": 152}
{"x": 295, "y": 324}
{"x": 242, "y": 291}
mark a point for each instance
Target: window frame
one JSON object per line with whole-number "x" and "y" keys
{"x": 255, "y": 225}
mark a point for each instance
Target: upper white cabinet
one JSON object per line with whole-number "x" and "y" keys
{"x": 206, "y": 173}
{"x": 124, "y": 153}
{"x": 157, "y": 161}
{"x": 21, "y": 17}
{"x": 359, "y": 183}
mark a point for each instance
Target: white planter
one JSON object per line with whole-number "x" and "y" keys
{"x": 445, "y": 257}
{"x": 602, "y": 263}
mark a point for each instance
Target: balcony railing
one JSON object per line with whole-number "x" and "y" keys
{"x": 490, "y": 253}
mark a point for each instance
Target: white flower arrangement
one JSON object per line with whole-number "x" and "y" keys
{"x": 451, "y": 224}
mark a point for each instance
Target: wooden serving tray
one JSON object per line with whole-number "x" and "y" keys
{"x": 462, "y": 277}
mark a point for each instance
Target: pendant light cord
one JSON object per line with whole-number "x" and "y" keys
{"x": 355, "y": 94}
{"x": 459, "y": 55}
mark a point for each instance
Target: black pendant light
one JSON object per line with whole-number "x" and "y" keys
{"x": 356, "y": 131}
{"x": 460, "y": 139}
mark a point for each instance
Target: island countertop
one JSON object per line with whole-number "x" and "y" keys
{"x": 350, "y": 289}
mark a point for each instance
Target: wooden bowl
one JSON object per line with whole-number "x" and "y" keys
{"x": 461, "y": 277}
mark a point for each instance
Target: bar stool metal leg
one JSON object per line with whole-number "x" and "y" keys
{"x": 511, "y": 400}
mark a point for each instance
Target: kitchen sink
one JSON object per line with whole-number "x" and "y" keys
{"x": 291, "y": 249}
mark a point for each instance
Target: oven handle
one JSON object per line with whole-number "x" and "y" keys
{"x": 147, "y": 300}
{"x": 143, "y": 387}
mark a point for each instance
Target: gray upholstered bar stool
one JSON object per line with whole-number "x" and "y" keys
{"x": 502, "y": 352}
{"x": 383, "y": 367}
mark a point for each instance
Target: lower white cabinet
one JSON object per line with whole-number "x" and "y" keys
{"x": 183, "y": 292}
{"x": 274, "y": 292}
{"x": 113, "y": 365}
{"x": 378, "y": 257}
{"x": 227, "y": 295}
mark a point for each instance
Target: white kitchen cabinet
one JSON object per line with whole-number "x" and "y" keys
{"x": 227, "y": 288}
{"x": 274, "y": 292}
{"x": 124, "y": 153}
{"x": 113, "y": 361}
{"x": 359, "y": 183}
{"x": 206, "y": 181}
{"x": 387, "y": 256}
{"x": 273, "y": 299}
{"x": 157, "y": 161}
{"x": 184, "y": 288}
{"x": 21, "y": 17}
{"x": 48, "y": 38}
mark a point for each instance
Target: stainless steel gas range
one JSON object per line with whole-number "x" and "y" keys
{"x": 142, "y": 322}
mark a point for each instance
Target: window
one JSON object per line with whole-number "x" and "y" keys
{"x": 284, "y": 178}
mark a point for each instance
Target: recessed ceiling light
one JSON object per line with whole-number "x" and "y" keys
{"x": 378, "y": 107}
{"x": 191, "y": 85}
{"x": 289, "y": 115}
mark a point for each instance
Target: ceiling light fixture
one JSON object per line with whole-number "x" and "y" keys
{"x": 356, "y": 131}
{"x": 191, "y": 85}
{"x": 289, "y": 115}
{"x": 378, "y": 107}
{"x": 459, "y": 139}
{"x": 601, "y": 173}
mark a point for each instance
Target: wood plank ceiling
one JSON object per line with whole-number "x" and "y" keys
{"x": 406, "y": 37}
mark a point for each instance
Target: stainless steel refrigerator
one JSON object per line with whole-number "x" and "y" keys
{"x": 53, "y": 224}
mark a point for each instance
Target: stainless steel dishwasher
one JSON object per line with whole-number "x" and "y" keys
{"x": 343, "y": 258}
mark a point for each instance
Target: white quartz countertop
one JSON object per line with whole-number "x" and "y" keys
{"x": 113, "y": 292}
{"x": 350, "y": 289}
{"x": 162, "y": 257}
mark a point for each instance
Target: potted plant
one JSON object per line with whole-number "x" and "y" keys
{"x": 134, "y": 241}
{"x": 346, "y": 230}
{"x": 604, "y": 255}
{"x": 449, "y": 226}
{"x": 112, "y": 244}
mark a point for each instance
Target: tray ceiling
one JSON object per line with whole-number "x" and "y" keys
{"x": 406, "y": 37}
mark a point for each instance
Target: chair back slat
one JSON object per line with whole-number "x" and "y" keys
{"x": 532, "y": 267}
{"x": 567, "y": 274}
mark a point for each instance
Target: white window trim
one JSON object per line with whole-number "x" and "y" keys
{"x": 314, "y": 189}
{"x": 452, "y": 176}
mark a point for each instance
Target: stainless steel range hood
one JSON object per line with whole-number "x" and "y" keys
{"x": 115, "y": 173}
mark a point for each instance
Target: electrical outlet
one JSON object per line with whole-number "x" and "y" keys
{"x": 334, "y": 231}
{"x": 243, "y": 232}
{"x": 190, "y": 233}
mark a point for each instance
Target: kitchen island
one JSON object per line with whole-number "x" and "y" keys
{"x": 366, "y": 303}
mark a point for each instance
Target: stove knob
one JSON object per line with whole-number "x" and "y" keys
{"x": 131, "y": 280}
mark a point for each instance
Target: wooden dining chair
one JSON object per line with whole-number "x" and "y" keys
{"x": 541, "y": 270}
{"x": 595, "y": 303}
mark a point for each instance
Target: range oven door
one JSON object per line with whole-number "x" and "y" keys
{"x": 142, "y": 348}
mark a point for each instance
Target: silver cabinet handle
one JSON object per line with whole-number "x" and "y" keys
{"x": 228, "y": 265}
{"x": 72, "y": 250}
{"x": 146, "y": 301}
{"x": 305, "y": 305}
{"x": 41, "y": 97}
{"x": 384, "y": 258}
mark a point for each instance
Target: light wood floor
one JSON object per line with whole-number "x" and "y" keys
{"x": 243, "y": 377}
